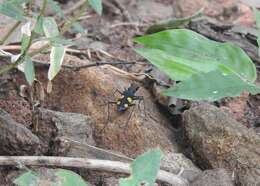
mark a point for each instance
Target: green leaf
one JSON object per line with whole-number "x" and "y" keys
{"x": 55, "y": 7}
{"x": 50, "y": 27}
{"x": 26, "y": 179}
{"x": 59, "y": 40}
{"x": 25, "y": 43}
{"x": 257, "y": 15}
{"x": 211, "y": 86}
{"x": 77, "y": 27}
{"x": 12, "y": 9}
{"x": 39, "y": 25}
{"x": 96, "y": 5}
{"x": 29, "y": 70}
{"x": 196, "y": 50}
{"x": 144, "y": 169}
{"x": 178, "y": 68}
{"x": 173, "y": 23}
{"x": 68, "y": 178}
{"x": 56, "y": 59}
{"x": 52, "y": 177}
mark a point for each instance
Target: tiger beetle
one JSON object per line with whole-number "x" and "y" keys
{"x": 126, "y": 101}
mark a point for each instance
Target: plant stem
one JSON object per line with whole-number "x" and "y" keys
{"x": 43, "y": 7}
{"x": 9, "y": 33}
{"x": 70, "y": 22}
{"x": 21, "y": 58}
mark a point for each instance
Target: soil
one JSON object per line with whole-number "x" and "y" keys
{"x": 108, "y": 33}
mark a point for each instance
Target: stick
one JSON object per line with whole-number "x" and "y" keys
{"x": 94, "y": 164}
{"x": 78, "y": 67}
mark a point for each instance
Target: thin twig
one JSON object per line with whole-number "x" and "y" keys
{"x": 34, "y": 48}
{"x": 78, "y": 67}
{"x": 9, "y": 32}
{"x": 75, "y": 7}
{"x": 123, "y": 10}
{"x": 138, "y": 24}
{"x": 93, "y": 164}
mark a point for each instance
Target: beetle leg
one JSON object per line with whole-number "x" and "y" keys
{"x": 129, "y": 117}
{"x": 108, "y": 114}
{"x": 108, "y": 110}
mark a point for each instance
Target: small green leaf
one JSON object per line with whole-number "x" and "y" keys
{"x": 56, "y": 7}
{"x": 96, "y": 5}
{"x": 144, "y": 169}
{"x": 211, "y": 86}
{"x": 50, "y": 27}
{"x": 77, "y": 27}
{"x": 59, "y": 40}
{"x": 39, "y": 25}
{"x": 56, "y": 59}
{"x": 25, "y": 43}
{"x": 26, "y": 179}
{"x": 12, "y": 9}
{"x": 68, "y": 178}
{"x": 52, "y": 177}
{"x": 29, "y": 70}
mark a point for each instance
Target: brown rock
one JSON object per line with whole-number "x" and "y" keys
{"x": 216, "y": 177}
{"x": 87, "y": 92}
{"x": 65, "y": 134}
{"x": 221, "y": 142}
{"x": 16, "y": 139}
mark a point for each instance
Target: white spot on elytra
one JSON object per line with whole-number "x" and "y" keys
{"x": 215, "y": 92}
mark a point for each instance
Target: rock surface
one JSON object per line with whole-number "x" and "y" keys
{"x": 176, "y": 162}
{"x": 219, "y": 141}
{"x": 215, "y": 177}
{"x": 15, "y": 138}
{"x": 87, "y": 92}
{"x": 66, "y": 134}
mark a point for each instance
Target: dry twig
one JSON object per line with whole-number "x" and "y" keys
{"x": 94, "y": 164}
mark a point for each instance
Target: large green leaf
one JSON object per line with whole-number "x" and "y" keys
{"x": 144, "y": 169}
{"x": 197, "y": 50}
{"x": 96, "y": 5}
{"x": 56, "y": 59}
{"x": 211, "y": 86}
{"x": 178, "y": 68}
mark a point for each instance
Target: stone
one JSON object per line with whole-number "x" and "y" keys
{"x": 88, "y": 91}
{"x": 218, "y": 141}
{"x": 16, "y": 139}
{"x": 66, "y": 134}
{"x": 215, "y": 177}
{"x": 176, "y": 162}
